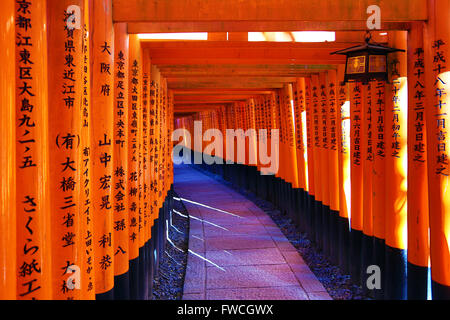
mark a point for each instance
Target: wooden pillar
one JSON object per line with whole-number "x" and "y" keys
{"x": 378, "y": 176}
{"x": 120, "y": 181}
{"x": 7, "y": 154}
{"x": 418, "y": 225}
{"x": 34, "y": 267}
{"x": 344, "y": 170}
{"x": 333, "y": 162}
{"x": 324, "y": 172}
{"x": 300, "y": 111}
{"x": 133, "y": 167}
{"x": 316, "y": 134}
{"x": 146, "y": 210}
{"x": 102, "y": 145}
{"x": 437, "y": 52}
{"x": 146, "y": 68}
{"x": 396, "y": 171}
{"x": 356, "y": 174}
{"x": 290, "y": 137}
{"x": 65, "y": 77}
{"x": 300, "y": 142}
{"x": 87, "y": 224}
{"x": 309, "y": 139}
{"x": 367, "y": 148}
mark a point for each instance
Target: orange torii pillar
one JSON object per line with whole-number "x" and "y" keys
{"x": 65, "y": 79}
{"x": 153, "y": 119}
{"x": 437, "y": 53}
{"x": 149, "y": 212}
{"x": 102, "y": 146}
{"x": 133, "y": 166}
{"x": 367, "y": 160}
{"x": 311, "y": 201}
{"x": 120, "y": 163}
{"x": 253, "y": 147}
{"x": 146, "y": 211}
{"x": 317, "y": 135}
{"x": 270, "y": 121}
{"x": 344, "y": 170}
{"x": 418, "y": 225}
{"x": 356, "y": 173}
{"x": 260, "y": 188}
{"x": 260, "y": 105}
{"x": 333, "y": 163}
{"x": 87, "y": 226}
{"x": 380, "y": 127}
{"x": 158, "y": 164}
{"x": 395, "y": 170}
{"x": 300, "y": 137}
{"x": 274, "y": 186}
{"x": 33, "y": 244}
{"x": 284, "y": 155}
{"x": 325, "y": 161}
{"x": 7, "y": 154}
{"x": 292, "y": 185}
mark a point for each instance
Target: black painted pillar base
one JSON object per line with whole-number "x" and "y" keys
{"x": 152, "y": 261}
{"x": 326, "y": 213}
{"x": 299, "y": 218}
{"x": 379, "y": 249}
{"x": 355, "y": 255}
{"x": 122, "y": 286}
{"x": 344, "y": 244}
{"x": 142, "y": 280}
{"x": 109, "y": 295}
{"x": 440, "y": 291}
{"x": 318, "y": 225}
{"x": 395, "y": 274}
{"x": 417, "y": 282}
{"x": 310, "y": 210}
{"x": 134, "y": 278}
{"x": 366, "y": 261}
{"x": 333, "y": 228}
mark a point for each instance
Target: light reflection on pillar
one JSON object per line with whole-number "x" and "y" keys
{"x": 345, "y": 114}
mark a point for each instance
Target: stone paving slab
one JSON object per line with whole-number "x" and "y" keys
{"x": 242, "y": 257}
{"x": 270, "y": 293}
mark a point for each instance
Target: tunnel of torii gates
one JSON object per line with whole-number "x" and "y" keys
{"x": 87, "y": 115}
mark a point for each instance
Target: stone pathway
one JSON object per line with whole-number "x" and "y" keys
{"x": 236, "y": 251}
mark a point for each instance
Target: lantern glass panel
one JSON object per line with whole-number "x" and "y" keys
{"x": 377, "y": 63}
{"x": 356, "y": 65}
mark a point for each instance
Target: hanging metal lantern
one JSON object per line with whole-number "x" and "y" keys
{"x": 366, "y": 62}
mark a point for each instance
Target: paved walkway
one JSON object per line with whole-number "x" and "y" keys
{"x": 236, "y": 251}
